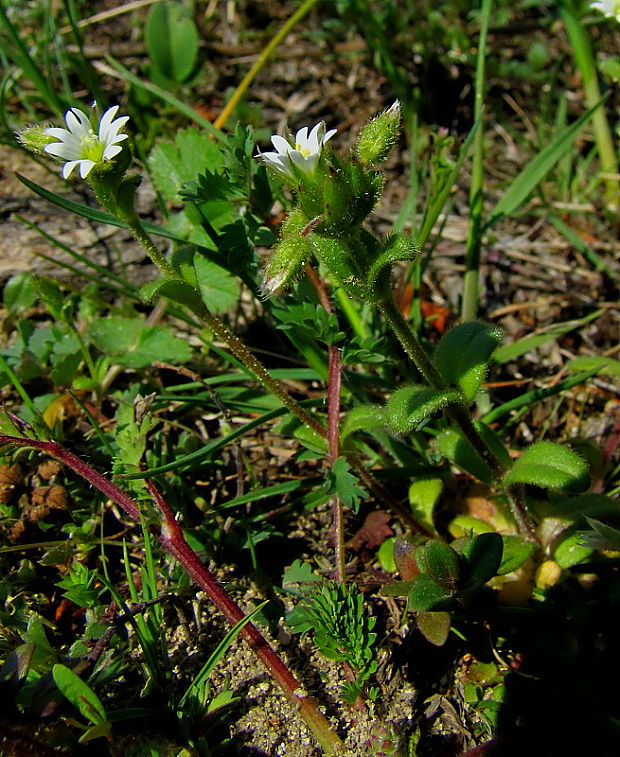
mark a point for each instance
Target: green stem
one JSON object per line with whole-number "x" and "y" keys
{"x": 458, "y": 413}
{"x": 469, "y": 306}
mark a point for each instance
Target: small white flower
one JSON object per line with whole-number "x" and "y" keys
{"x": 304, "y": 154}
{"x": 609, "y": 8}
{"x": 80, "y": 146}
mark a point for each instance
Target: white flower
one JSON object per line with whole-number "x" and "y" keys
{"x": 609, "y": 8}
{"x": 304, "y": 154}
{"x": 80, "y": 146}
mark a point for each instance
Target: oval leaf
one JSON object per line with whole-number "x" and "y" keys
{"x": 551, "y": 466}
{"x": 434, "y": 626}
{"x": 411, "y": 405}
{"x": 441, "y": 563}
{"x": 363, "y": 418}
{"x": 81, "y": 696}
{"x": 426, "y": 595}
{"x": 483, "y": 555}
{"x": 463, "y": 355}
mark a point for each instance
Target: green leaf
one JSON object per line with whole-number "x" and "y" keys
{"x": 155, "y": 343}
{"x": 463, "y": 355}
{"x": 176, "y": 290}
{"x": 363, "y": 418}
{"x": 528, "y": 343}
{"x": 341, "y": 481}
{"x": 115, "y": 335}
{"x": 98, "y": 731}
{"x": 299, "y": 572}
{"x": 396, "y": 589}
{"x": 398, "y": 248}
{"x": 601, "y": 536}
{"x": 441, "y": 563}
{"x": 585, "y": 506}
{"x": 468, "y": 525}
{"x": 423, "y": 495}
{"x": 411, "y": 405}
{"x": 605, "y": 366}
{"x": 20, "y": 293}
{"x": 516, "y": 552}
{"x": 427, "y": 595}
{"x": 458, "y": 450}
{"x": 81, "y": 696}
{"x": 173, "y": 164}
{"x": 434, "y": 626}
{"x": 551, "y": 466}
{"x": 483, "y": 555}
{"x": 569, "y": 549}
{"x": 171, "y": 40}
{"x": 219, "y": 290}
{"x": 535, "y": 171}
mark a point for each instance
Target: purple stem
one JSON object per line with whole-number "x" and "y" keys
{"x": 172, "y": 540}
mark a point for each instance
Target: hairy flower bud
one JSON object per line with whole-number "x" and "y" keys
{"x": 35, "y": 138}
{"x": 285, "y": 264}
{"x": 379, "y": 136}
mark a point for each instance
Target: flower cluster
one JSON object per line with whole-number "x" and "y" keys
{"x": 304, "y": 155}
{"x": 609, "y": 8}
{"x": 78, "y": 144}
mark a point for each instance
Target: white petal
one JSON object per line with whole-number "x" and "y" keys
{"x": 62, "y": 150}
{"x": 106, "y": 121}
{"x": 281, "y": 145}
{"x": 301, "y": 138}
{"x": 58, "y": 133}
{"x": 116, "y": 139}
{"x": 299, "y": 160}
{"x": 110, "y": 151}
{"x": 329, "y": 135}
{"x": 315, "y": 138}
{"x": 68, "y": 168}
{"x": 78, "y": 122}
{"x": 86, "y": 167}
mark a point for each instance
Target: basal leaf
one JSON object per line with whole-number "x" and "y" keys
{"x": 426, "y": 594}
{"x": 423, "y": 495}
{"x": 440, "y": 562}
{"x": 605, "y": 366}
{"x": 516, "y": 552}
{"x": 434, "y": 626}
{"x": 483, "y": 555}
{"x": 551, "y": 466}
{"x": 172, "y": 40}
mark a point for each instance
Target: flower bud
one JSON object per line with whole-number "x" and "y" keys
{"x": 34, "y": 138}
{"x": 285, "y": 264}
{"x": 379, "y": 136}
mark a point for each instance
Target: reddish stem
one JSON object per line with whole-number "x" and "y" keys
{"x": 172, "y": 539}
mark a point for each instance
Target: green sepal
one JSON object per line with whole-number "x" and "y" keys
{"x": 551, "y": 466}
{"x": 427, "y": 595}
{"x": 441, "y": 563}
{"x": 411, "y": 405}
{"x": 483, "y": 557}
{"x": 350, "y": 194}
{"x": 177, "y": 290}
{"x": 434, "y": 626}
{"x": 463, "y": 355}
{"x": 336, "y": 255}
{"x": 397, "y": 248}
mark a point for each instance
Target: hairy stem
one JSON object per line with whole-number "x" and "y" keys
{"x": 173, "y": 541}
{"x": 458, "y": 413}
